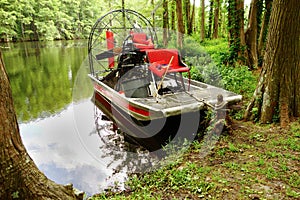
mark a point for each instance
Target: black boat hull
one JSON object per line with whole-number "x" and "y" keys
{"x": 151, "y": 134}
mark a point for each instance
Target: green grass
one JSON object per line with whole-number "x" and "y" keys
{"x": 252, "y": 161}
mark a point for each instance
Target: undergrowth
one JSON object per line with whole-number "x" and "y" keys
{"x": 207, "y": 66}
{"x": 254, "y": 162}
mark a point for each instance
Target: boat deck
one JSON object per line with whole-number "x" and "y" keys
{"x": 196, "y": 95}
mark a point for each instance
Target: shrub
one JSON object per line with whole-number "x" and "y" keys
{"x": 206, "y": 62}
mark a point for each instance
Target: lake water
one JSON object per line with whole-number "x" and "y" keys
{"x": 52, "y": 93}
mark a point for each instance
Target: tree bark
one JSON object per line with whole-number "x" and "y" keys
{"x": 243, "y": 57}
{"x": 19, "y": 176}
{"x": 223, "y": 25}
{"x": 202, "y": 20}
{"x": 277, "y": 94}
{"x": 191, "y": 20}
{"x": 180, "y": 25}
{"x": 264, "y": 28}
{"x": 186, "y": 8}
{"x": 237, "y": 43}
{"x": 216, "y": 19}
{"x": 251, "y": 35}
{"x": 210, "y": 18}
{"x": 165, "y": 22}
{"x": 173, "y": 14}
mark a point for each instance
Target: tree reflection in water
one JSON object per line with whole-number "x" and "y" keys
{"x": 125, "y": 156}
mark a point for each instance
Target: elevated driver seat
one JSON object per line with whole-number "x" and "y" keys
{"x": 160, "y": 58}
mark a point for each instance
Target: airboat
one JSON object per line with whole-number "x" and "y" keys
{"x": 143, "y": 88}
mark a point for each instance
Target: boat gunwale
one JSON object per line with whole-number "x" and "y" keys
{"x": 154, "y": 112}
{"x": 165, "y": 112}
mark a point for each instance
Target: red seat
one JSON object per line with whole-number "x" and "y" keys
{"x": 160, "y": 58}
{"x": 141, "y": 42}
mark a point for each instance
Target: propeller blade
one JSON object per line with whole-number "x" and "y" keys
{"x": 106, "y": 54}
{"x": 109, "y": 53}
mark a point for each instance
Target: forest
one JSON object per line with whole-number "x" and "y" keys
{"x": 256, "y": 48}
{"x": 61, "y": 19}
{"x": 73, "y": 19}
{"x": 244, "y": 27}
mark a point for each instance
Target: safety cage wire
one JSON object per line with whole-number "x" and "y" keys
{"x": 120, "y": 22}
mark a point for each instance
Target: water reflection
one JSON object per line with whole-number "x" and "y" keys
{"x": 54, "y": 145}
{"x": 42, "y": 77}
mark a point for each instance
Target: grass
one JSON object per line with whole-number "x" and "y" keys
{"x": 253, "y": 161}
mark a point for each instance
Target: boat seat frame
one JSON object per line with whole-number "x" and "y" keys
{"x": 159, "y": 59}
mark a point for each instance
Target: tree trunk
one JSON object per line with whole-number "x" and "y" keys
{"x": 180, "y": 25}
{"x": 216, "y": 19}
{"x": 210, "y": 18}
{"x": 251, "y": 35}
{"x": 243, "y": 57}
{"x": 237, "y": 43}
{"x": 19, "y": 176}
{"x": 191, "y": 20}
{"x": 186, "y": 8}
{"x": 153, "y": 13}
{"x": 277, "y": 93}
{"x": 264, "y": 28}
{"x": 223, "y": 14}
{"x": 173, "y": 14}
{"x": 35, "y": 35}
{"x": 202, "y": 20}
{"x": 165, "y": 23}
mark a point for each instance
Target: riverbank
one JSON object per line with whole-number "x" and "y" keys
{"x": 250, "y": 161}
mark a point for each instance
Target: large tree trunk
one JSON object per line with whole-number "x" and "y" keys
{"x": 19, "y": 176}
{"x": 251, "y": 35}
{"x": 180, "y": 25}
{"x": 277, "y": 93}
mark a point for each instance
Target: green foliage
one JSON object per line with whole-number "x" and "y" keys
{"x": 173, "y": 179}
{"x": 232, "y": 147}
{"x": 48, "y": 20}
{"x": 239, "y": 80}
{"x": 215, "y": 48}
{"x": 15, "y": 195}
{"x": 192, "y": 48}
{"x": 207, "y": 66}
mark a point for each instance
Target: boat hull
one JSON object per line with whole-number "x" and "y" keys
{"x": 151, "y": 134}
{"x": 154, "y": 122}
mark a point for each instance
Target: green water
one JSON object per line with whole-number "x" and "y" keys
{"x": 42, "y": 75}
